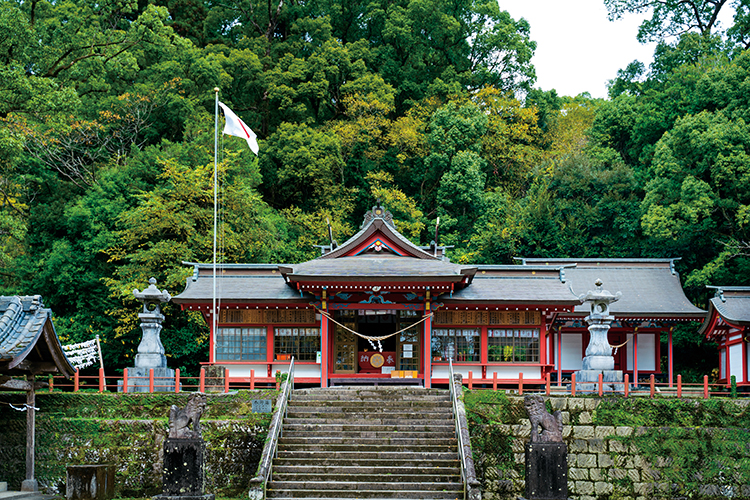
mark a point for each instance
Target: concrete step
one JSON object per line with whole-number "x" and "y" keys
{"x": 431, "y": 401}
{"x": 375, "y": 406}
{"x": 355, "y": 485}
{"x": 391, "y": 439}
{"x": 360, "y": 448}
{"x": 367, "y": 415}
{"x": 415, "y": 420}
{"x": 448, "y": 433}
{"x": 356, "y": 462}
{"x": 379, "y": 494}
{"x": 444, "y": 468}
{"x": 378, "y": 476}
{"x": 322, "y": 428}
{"x": 379, "y": 391}
{"x": 364, "y": 455}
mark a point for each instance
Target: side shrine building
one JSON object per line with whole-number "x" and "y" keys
{"x": 378, "y": 304}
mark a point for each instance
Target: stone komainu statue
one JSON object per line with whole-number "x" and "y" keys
{"x": 184, "y": 423}
{"x": 538, "y": 415}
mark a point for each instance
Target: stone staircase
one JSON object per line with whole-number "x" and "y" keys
{"x": 367, "y": 442}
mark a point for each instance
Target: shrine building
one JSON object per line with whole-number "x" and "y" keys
{"x": 728, "y": 324}
{"x": 379, "y": 306}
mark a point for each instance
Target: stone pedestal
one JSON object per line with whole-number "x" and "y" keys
{"x": 150, "y": 350}
{"x": 138, "y": 379}
{"x": 546, "y": 471}
{"x": 90, "y": 482}
{"x": 599, "y": 359}
{"x": 184, "y": 471}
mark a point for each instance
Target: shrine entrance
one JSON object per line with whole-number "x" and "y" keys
{"x": 359, "y": 355}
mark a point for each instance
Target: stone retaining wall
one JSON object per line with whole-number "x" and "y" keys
{"x": 602, "y": 464}
{"x": 133, "y": 445}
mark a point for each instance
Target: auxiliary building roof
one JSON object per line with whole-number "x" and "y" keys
{"x": 650, "y": 287}
{"x": 732, "y": 303}
{"x": 28, "y": 342}
{"x": 238, "y": 283}
{"x": 514, "y": 285}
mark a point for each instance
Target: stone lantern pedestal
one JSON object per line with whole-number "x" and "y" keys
{"x": 599, "y": 359}
{"x": 150, "y": 351}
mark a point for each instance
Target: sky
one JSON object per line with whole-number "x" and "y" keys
{"x": 578, "y": 48}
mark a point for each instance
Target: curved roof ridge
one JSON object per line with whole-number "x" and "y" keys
{"x": 378, "y": 219}
{"x": 11, "y": 317}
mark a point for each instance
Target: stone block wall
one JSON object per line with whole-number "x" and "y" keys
{"x": 604, "y": 462}
{"x": 84, "y": 428}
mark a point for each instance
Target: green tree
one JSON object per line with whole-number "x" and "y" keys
{"x": 696, "y": 203}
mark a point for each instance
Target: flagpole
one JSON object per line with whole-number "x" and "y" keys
{"x": 214, "y": 313}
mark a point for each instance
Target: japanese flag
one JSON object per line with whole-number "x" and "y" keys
{"x": 236, "y": 127}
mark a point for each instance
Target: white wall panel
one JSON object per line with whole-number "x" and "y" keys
{"x": 646, "y": 352}
{"x": 735, "y": 362}
{"x": 572, "y": 347}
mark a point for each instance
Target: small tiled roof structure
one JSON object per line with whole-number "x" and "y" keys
{"x": 650, "y": 287}
{"x": 28, "y": 342}
{"x": 514, "y": 285}
{"x": 385, "y": 267}
{"x": 731, "y": 304}
{"x": 239, "y": 283}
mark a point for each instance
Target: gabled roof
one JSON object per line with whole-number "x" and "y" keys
{"x": 378, "y": 223}
{"x": 650, "y": 288}
{"x": 378, "y": 252}
{"x": 369, "y": 267}
{"x": 28, "y": 342}
{"x": 731, "y": 304}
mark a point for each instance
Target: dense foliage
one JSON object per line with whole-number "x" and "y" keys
{"x": 106, "y": 145}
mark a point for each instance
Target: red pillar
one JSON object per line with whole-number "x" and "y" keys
{"x": 635, "y": 357}
{"x": 559, "y": 356}
{"x": 671, "y": 370}
{"x": 323, "y": 347}
{"x": 426, "y": 347}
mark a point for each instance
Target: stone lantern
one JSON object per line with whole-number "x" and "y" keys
{"x": 599, "y": 359}
{"x": 151, "y": 351}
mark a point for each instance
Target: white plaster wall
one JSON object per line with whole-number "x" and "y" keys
{"x": 236, "y": 371}
{"x": 722, "y": 363}
{"x": 735, "y": 362}
{"x": 443, "y": 371}
{"x": 299, "y": 370}
{"x": 646, "y": 351}
{"x": 572, "y": 347}
{"x": 513, "y": 371}
{"x": 261, "y": 370}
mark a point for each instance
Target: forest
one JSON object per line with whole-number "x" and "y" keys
{"x": 430, "y": 106}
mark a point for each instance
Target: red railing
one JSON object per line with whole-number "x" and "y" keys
{"x": 646, "y": 386}
{"x": 123, "y": 383}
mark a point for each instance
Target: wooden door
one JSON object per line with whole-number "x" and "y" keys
{"x": 407, "y": 350}
{"x": 344, "y": 351}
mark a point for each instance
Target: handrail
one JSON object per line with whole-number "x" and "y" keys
{"x": 258, "y": 483}
{"x": 472, "y": 489}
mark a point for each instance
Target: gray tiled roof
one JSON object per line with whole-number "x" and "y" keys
{"x": 514, "y": 289}
{"x": 368, "y": 266}
{"x": 22, "y": 327}
{"x": 733, "y": 305}
{"x": 238, "y": 288}
{"x": 646, "y": 291}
